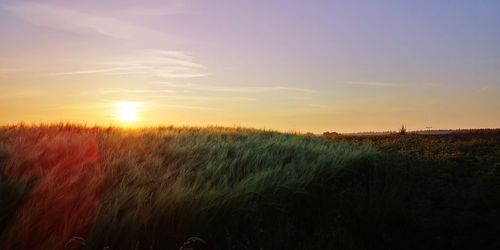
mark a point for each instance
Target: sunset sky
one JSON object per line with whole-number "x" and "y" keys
{"x": 308, "y": 66}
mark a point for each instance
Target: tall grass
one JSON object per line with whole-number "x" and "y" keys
{"x": 12, "y": 193}
{"x": 63, "y": 166}
{"x": 236, "y": 189}
{"x": 165, "y": 186}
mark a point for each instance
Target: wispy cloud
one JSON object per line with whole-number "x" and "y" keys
{"x": 157, "y": 63}
{"x": 177, "y": 106}
{"x": 101, "y": 106}
{"x": 482, "y": 88}
{"x": 111, "y": 91}
{"x": 72, "y": 20}
{"x": 7, "y": 71}
{"x": 376, "y": 84}
{"x": 205, "y": 98}
{"x": 247, "y": 89}
{"x": 115, "y": 70}
{"x": 21, "y": 93}
{"x": 171, "y": 7}
{"x": 165, "y": 94}
{"x": 108, "y": 107}
{"x": 396, "y": 85}
{"x": 319, "y": 106}
{"x": 105, "y": 91}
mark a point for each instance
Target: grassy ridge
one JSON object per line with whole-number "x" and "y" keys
{"x": 250, "y": 189}
{"x": 209, "y": 183}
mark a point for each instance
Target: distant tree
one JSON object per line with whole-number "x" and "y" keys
{"x": 402, "y": 130}
{"x": 310, "y": 134}
{"x": 329, "y": 134}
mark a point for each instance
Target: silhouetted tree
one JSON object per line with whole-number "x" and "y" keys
{"x": 402, "y": 130}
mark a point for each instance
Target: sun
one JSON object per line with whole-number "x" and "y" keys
{"x": 127, "y": 111}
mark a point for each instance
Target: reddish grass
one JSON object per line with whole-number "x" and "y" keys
{"x": 66, "y": 198}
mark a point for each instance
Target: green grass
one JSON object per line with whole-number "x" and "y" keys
{"x": 251, "y": 189}
{"x": 218, "y": 184}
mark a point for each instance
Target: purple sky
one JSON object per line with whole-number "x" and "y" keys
{"x": 288, "y": 65}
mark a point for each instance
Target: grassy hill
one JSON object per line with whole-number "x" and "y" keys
{"x": 71, "y": 187}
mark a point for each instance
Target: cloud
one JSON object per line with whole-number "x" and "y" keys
{"x": 396, "y": 85}
{"x": 172, "y": 7}
{"x": 132, "y": 91}
{"x": 249, "y": 89}
{"x": 157, "y": 63}
{"x": 22, "y": 93}
{"x": 376, "y": 84}
{"x": 321, "y": 106}
{"x": 177, "y": 106}
{"x": 205, "y": 98}
{"x": 482, "y": 88}
{"x": 7, "y": 71}
{"x": 116, "y": 70}
{"x": 107, "y": 107}
{"x": 111, "y": 91}
{"x": 71, "y": 20}
{"x": 166, "y": 94}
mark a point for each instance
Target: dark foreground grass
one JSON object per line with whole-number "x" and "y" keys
{"x": 243, "y": 189}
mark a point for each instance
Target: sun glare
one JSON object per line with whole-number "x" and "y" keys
{"x": 127, "y": 111}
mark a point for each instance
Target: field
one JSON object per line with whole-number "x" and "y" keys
{"x": 73, "y": 187}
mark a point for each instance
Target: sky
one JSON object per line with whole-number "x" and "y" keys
{"x": 305, "y": 66}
